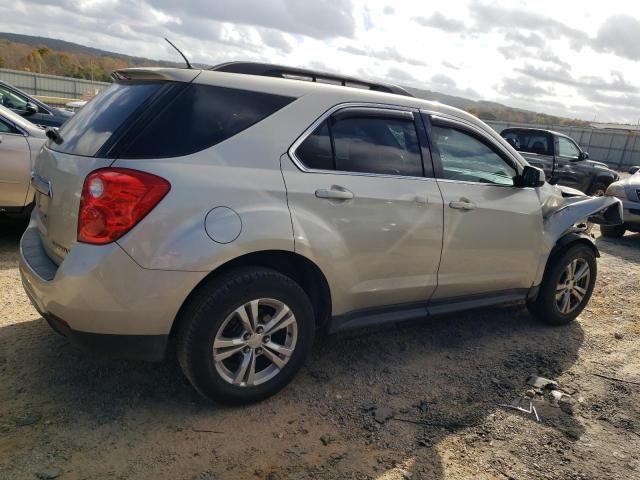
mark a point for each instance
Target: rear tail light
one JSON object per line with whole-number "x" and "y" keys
{"x": 114, "y": 200}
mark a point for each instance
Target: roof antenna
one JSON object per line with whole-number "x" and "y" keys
{"x": 182, "y": 54}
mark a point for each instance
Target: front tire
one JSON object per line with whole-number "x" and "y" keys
{"x": 566, "y": 287}
{"x": 245, "y": 335}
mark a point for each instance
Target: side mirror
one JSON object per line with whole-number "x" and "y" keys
{"x": 531, "y": 177}
{"x": 31, "y": 108}
{"x": 634, "y": 170}
{"x": 581, "y": 156}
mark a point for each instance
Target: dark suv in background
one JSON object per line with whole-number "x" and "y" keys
{"x": 30, "y": 108}
{"x": 562, "y": 160}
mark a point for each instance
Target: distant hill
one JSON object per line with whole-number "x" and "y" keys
{"x": 59, "y": 57}
{"x": 495, "y": 111}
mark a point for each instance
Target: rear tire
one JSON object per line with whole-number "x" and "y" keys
{"x": 228, "y": 346}
{"x": 566, "y": 287}
{"x": 615, "y": 231}
{"x": 597, "y": 189}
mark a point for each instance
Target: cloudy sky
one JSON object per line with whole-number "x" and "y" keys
{"x": 570, "y": 58}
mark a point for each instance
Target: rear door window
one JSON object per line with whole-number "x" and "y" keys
{"x": 385, "y": 146}
{"x": 530, "y": 142}
{"x": 89, "y": 129}
{"x": 377, "y": 145}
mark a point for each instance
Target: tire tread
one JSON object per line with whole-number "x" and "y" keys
{"x": 214, "y": 292}
{"x": 541, "y": 308}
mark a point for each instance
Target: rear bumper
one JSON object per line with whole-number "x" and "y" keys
{"x": 101, "y": 298}
{"x": 149, "y": 348}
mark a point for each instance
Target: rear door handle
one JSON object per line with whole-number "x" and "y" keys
{"x": 334, "y": 193}
{"x": 462, "y": 205}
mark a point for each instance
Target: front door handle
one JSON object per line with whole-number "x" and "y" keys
{"x": 334, "y": 193}
{"x": 463, "y": 204}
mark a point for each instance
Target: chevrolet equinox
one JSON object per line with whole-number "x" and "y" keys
{"x": 236, "y": 212}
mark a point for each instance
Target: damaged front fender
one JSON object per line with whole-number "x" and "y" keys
{"x": 600, "y": 210}
{"x": 562, "y": 214}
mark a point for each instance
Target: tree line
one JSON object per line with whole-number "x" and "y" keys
{"x": 42, "y": 59}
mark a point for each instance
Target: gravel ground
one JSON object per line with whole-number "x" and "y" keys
{"x": 409, "y": 402}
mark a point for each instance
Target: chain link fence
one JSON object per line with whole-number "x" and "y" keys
{"x": 52, "y": 87}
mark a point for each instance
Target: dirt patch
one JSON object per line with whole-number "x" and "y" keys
{"x": 416, "y": 401}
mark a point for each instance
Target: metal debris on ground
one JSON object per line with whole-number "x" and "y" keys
{"x": 517, "y": 405}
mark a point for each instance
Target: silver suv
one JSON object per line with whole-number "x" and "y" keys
{"x": 237, "y": 212}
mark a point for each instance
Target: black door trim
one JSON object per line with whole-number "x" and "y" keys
{"x": 370, "y": 317}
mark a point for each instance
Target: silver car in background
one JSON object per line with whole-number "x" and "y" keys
{"x": 236, "y": 212}
{"x": 627, "y": 191}
{"x": 20, "y": 142}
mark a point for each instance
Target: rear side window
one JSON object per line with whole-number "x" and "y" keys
{"x": 165, "y": 119}
{"x": 316, "y": 152}
{"x": 530, "y": 142}
{"x": 201, "y": 117}
{"x": 89, "y": 129}
{"x": 387, "y": 146}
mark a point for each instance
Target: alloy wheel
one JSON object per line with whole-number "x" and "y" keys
{"x": 255, "y": 342}
{"x": 573, "y": 285}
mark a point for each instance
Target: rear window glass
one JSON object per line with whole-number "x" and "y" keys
{"x": 95, "y": 123}
{"x": 201, "y": 117}
{"x": 530, "y": 142}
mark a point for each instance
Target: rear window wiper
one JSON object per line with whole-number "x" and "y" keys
{"x": 54, "y": 135}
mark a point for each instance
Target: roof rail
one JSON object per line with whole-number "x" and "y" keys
{"x": 280, "y": 71}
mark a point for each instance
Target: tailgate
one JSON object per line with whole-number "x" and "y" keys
{"x": 58, "y": 178}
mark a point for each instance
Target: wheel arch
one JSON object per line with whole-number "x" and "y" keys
{"x": 297, "y": 267}
{"x": 569, "y": 240}
{"x": 562, "y": 245}
{"x": 604, "y": 179}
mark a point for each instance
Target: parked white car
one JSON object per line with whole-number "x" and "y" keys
{"x": 20, "y": 142}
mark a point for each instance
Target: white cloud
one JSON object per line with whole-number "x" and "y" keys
{"x": 547, "y": 56}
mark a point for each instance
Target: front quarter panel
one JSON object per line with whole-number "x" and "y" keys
{"x": 561, "y": 214}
